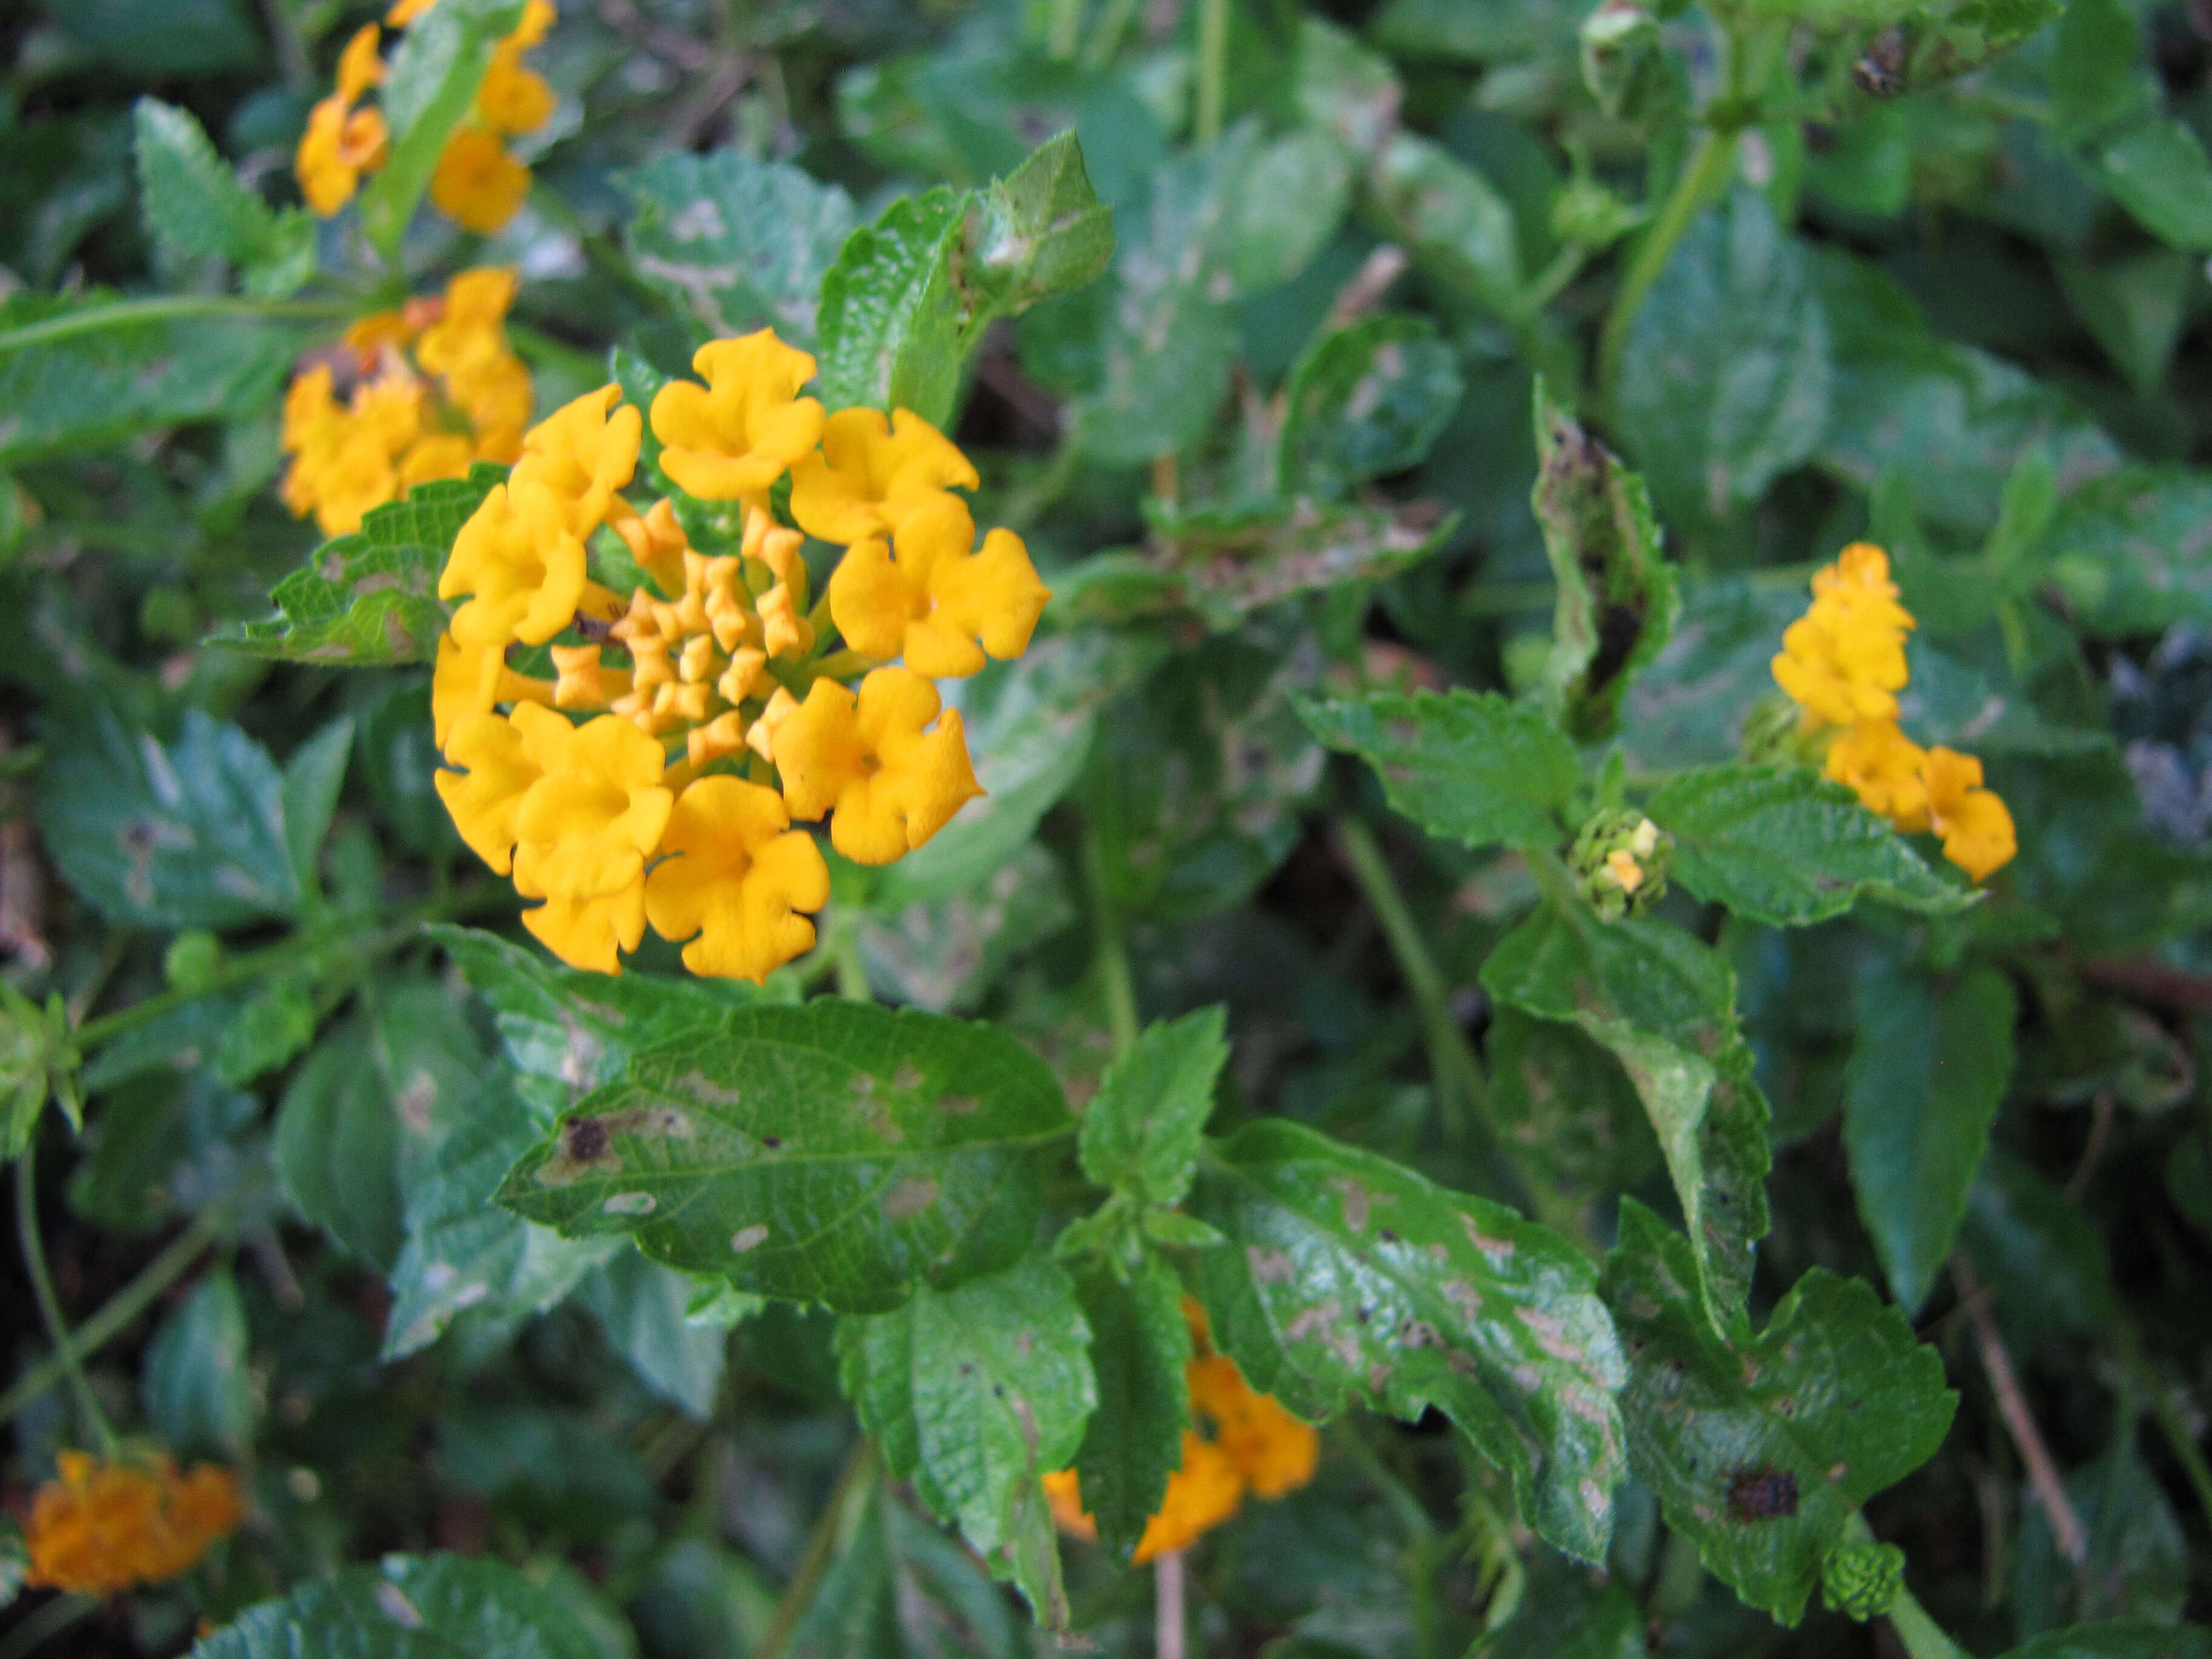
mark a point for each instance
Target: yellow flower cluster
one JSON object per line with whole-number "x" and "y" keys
{"x": 477, "y": 183}
{"x": 725, "y": 719}
{"x": 434, "y": 388}
{"x": 1843, "y": 664}
{"x": 1256, "y": 1446}
{"x": 99, "y": 1527}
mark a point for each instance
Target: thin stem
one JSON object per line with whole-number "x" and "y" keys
{"x": 49, "y": 1306}
{"x": 1170, "y": 1624}
{"x": 1109, "y": 956}
{"x": 1106, "y": 34}
{"x": 1565, "y": 266}
{"x": 1706, "y": 171}
{"x": 1067, "y": 30}
{"x": 1922, "y": 1637}
{"x": 851, "y": 965}
{"x": 859, "y": 1472}
{"x": 124, "y": 313}
{"x": 1213, "y": 69}
{"x": 63, "y": 1612}
{"x": 541, "y": 350}
{"x": 125, "y": 1305}
{"x": 2066, "y": 1529}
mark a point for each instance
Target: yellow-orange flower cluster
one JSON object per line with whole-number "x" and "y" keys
{"x": 100, "y": 1528}
{"x": 714, "y": 717}
{"x": 477, "y": 183}
{"x": 434, "y": 388}
{"x": 1843, "y": 664}
{"x": 1256, "y": 1446}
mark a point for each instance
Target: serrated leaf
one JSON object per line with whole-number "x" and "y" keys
{"x": 1448, "y": 217}
{"x": 1365, "y": 400}
{"x": 1724, "y": 382}
{"x": 436, "y": 1606}
{"x": 433, "y": 74}
{"x": 1784, "y": 846}
{"x": 1469, "y": 765}
{"x": 1141, "y": 1130}
{"x": 113, "y": 383}
{"x": 975, "y": 1394}
{"x": 739, "y": 243}
{"x": 1664, "y": 1003}
{"x": 1618, "y": 598}
{"x": 337, "y": 1149}
{"x": 192, "y": 204}
{"x": 184, "y": 835}
{"x": 370, "y": 599}
{"x": 197, "y": 1387}
{"x": 1761, "y": 1448}
{"x": 1139, "y": 1347}
{"x": 834, "y": 1152}
{"x": 1931, "y": 1060}
{"x": 646, "y": 1310}
{"x": 1346, "y": 1277}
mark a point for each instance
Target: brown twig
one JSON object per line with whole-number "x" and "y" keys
{"x": 1169, "y": 1623}
{"x": 2042, "y": 1473}
{"x": 2151, "y": 981}
{"x": 2100, "y": 1132}
{"x": 1382, "y": 267}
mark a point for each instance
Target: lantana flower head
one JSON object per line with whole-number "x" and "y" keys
{"x": 103, "y": 1525}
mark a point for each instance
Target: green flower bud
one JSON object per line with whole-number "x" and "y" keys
{"x": 1862, "y": 1580}
{"x": 1588, "y": 215}
{"x": 1621, "y": 861}
{"x": 191, "y": 959}
{"x": 1774, "y": 735}
{"x": 1622, "y": 62}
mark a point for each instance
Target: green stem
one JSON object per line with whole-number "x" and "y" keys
{"x": 1563, "y": 269}
{"x": 1110, "y": 955}
{"x": 851, "y": 965}
{"x": 1704, "y": 175}
{"x": 1106, "y": 35}
{"x": 1067, "y": 30}
{"x": 858, "y": 1475}
{"x": 61, "y": 1614}
{"x": 49, "y": 1306}
{"x": 125, "y": 1305}
{"x": 1213, "y": 69}
{"x": 166, "y": 308}
{"x": 1554, "y": 880}
{"x": 541, "y": 350}
{"x": 1922, "y": 1637}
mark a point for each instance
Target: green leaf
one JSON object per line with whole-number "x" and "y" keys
{"x": 1141, "y": 1130}
{"x": 370, "y": 599}
{"x": 2121, "y": 1638}
{"x": 337, "y": 1149}
{"x": 975, "y": 1394}
{"x": 1725, "y": 379}
{"x": 2044, "y": 1260}
{"x": 645, "y": 1309}
{"x": 195, "y": 209}
{"x": 1366, "y": 400}
{"x": 112, "y": 384}
{"x": 434, "y": 73}
{"x": 1618, "y": 599}
{"x": 740, "y": 244}
{"x": 902, "y": 1590}
{"x": 1139, "y": 1347}
{"x": 834, "y": 1154}
{"x": 163, "y": 38}
{"x": 274, "y": 1023}
{"x": 1226, "y": 567}
{"x": 2098, "y": 78}
{"x": 1039, "y": 231}
{"x": 2137, "y": 306}
{"x": 436, "y": 1606}
{"x": 1761, "y": 1450}
{"x": 1664, "y": 1004}
{"x": 2130, "y": 552}
{"x": 1348, "y": 1276}
{"x": 1783, "y": 845}
{"x": 1689, "y": 706}
{"x": 184, "y": 835}
{"x": 1568, "y": 1612}
{"x": 1448, "y": 217}
{"x": 198, "y": 1392}
{"x": 1283, "y": 208}
{"x": 946, "y": 954}
{"x": 2138, "y": 1564}
{"x": 2158, "y": 171}
{"x": 1930, "y": 1062}
{"x": 312, "y": 780}
{"x": 1566, "y": 1103}
{"x": 1468, "y": 765}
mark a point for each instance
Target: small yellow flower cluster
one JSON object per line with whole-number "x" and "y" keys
{"x": 1843, "y": 664}
{"x": 1257, "y": 1446}
{"x": 99, "y": 1527}
{"x": 477, "y": 184}
{"x": 463, "y": 397}
{"x": 673, "y": 803}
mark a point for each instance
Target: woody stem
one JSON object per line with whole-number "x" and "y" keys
{"x": 1170, "y": 1623}
{"x": 49, "y": 1306}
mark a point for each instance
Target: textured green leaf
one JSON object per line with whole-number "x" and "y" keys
{"x": 1724, "y": 384}
{"x": 1139, "y": 1346}
{"x": 371, "y": 598}
{"x": 198, "y": 1392}
{"x": 337, "y": 1149}
{"x": 1618, "y": 600}
{"x": 111, "y": 384}
{"x": 1141, "y": 1130}
{"x": 195, "y": 207}
{"x": 435, "y": 72}
{"x": 273, "y": 1024}
{"x": 1468, "y": 765}
{"x": 1565, "y": 1101}
{"x": 1929, "y": 1063}
{"x": 740, "y": 244}
{"x": 1448, "y": 217}
{"x": 1762, "y": 1448}
{"x": 1365, "y": 400}
{"x": 1783, "y": 845}
{"x": 644, "y": 1310}
{"x": 183, "y": 835}
{"x": 1664, "y": 1003}
{"x": 2158, "y": 171}
{"x": 2132, "y": 551}
{"x": 975, "y": 1394}
{"x": 436, "y": 1606}
{"x": 1346, "y": 1277}
{"x": 834, "y": 1154}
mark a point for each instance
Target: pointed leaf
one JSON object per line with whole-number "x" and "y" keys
{"x": 1139, "y": 1348}
{"x": 1141, "y": 1131}
{"x": 313, "y": 779}
{"x": 436, "y": 1606}
{"x": 1366, "y": 400}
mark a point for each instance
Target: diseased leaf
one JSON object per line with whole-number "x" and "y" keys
{"x": 1226, "y": 567}
{"x": 1348, "y": 1276}
{"x": 434, "y": 1607}
{"x": 1468, "y": 765}
{"x": 1664, "y": 1004}
{"x": 1141, "y": 1130}
{"x": 946, "y": 954}
{"x": 1039, "y": 231}
{"x": 975, "y": 1394}
{"x": 1365, "y": 400}
{"x": 1566, "y": 1103}
{"x": 1783, "y": 845}
{"x": 835, "y": 1153}
{"x": 1762, "y": 1448}
{"x": 1930, "y": 1062}
{"x": 1448, "y": 217}
{"x": 1139, "y": 1346}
